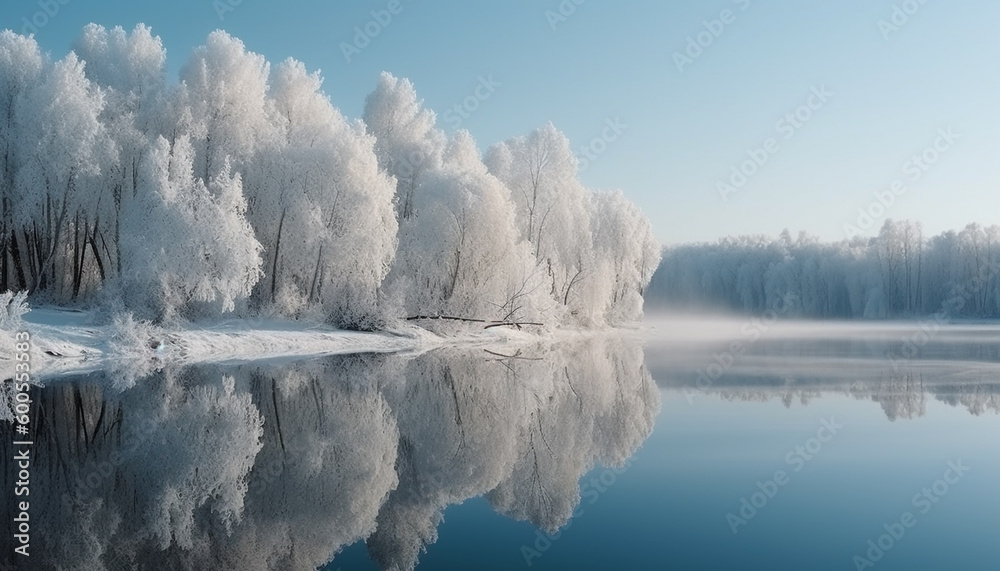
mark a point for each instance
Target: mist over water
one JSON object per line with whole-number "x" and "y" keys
{"x": 897, "y": 364}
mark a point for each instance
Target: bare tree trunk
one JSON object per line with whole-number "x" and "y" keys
{"x": 50, "y": 251}
{"x": 4, "y": 286}
{"x": 277, "y": 251}
{"x": 454, "y": 274}
{"x": 314, "y": 287}
{"x": 78, "y": 256}
{"x": 569, "y": 287}
{"x": 15, "y": 256}
{"x": 97, "y": 254}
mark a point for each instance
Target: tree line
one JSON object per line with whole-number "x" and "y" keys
{"x": 898, "y": 273}
{"x": 243, "y": 188}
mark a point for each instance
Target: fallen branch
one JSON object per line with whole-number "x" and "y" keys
{"x": 489, "y": 324}
{"x": 448, "y": 317}
{"x": 514, "y": 356}
{"x": 512, "y": 324}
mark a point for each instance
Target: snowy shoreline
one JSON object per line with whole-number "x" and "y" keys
{"x": 66, "y": 342}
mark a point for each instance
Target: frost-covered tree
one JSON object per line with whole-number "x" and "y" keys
{"x": 58, "y": 182}
{"x": 198, "y": 253}
{"x": 407, "y": 142}
{"x": 222, "y": 104}
{"x": 460, "y": 253}
{"x": 320, "y": 205}
{"x": 553, "y": 212}
{"x": 21, "y": 68}
{"x": 129, "y": 68}
{"x": 624, "y": 242}
{"x": 104, "y": 160}
{"x": 318, "y": 202}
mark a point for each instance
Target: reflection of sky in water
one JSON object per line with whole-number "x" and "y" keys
{"x": 452, "y": 450}
{"x": 714, "y": 453}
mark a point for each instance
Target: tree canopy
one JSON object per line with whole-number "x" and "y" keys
{"x": 243, "y": 188}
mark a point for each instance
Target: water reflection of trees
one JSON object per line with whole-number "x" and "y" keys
{"x": 269, "y": 467}
{"x": 901, "y": 395}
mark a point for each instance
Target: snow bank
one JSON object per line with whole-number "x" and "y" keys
{"x": 70, "y": 342}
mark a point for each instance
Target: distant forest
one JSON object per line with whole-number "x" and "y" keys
{"x": 897, "y": 274}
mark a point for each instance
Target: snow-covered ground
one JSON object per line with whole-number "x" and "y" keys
{"x": 68, "y": 342}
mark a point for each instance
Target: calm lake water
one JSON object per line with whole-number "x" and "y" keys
{"x": 706, "y": 444}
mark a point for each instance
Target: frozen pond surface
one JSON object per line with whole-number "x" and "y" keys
{"x": 790, "y": 451}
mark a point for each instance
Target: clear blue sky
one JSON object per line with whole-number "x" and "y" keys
{"x": 686, "y": 130}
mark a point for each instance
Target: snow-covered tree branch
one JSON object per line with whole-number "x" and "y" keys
{"x": 242, "y": 188}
